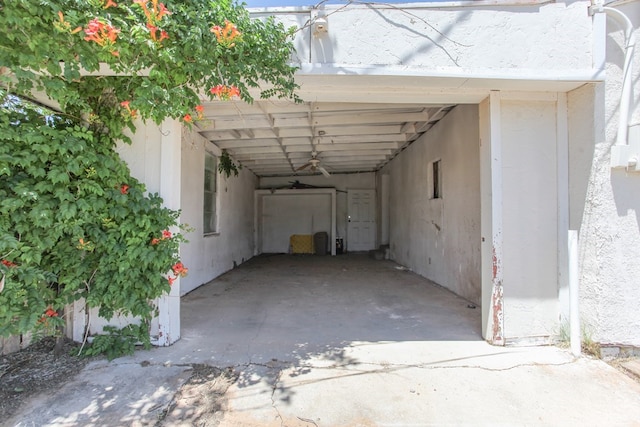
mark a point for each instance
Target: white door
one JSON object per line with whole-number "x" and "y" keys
{"x": 361, "y": 220}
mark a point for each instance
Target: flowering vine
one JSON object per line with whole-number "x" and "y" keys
{"x": 104, "y": 242}
{"x": 8, "y": 264}
{"x": 188, "y": 118}
{"x": 166, "y": 234}
{"x": 227, "y": 35}
{"x": 130, "y": 112}
{"x": 102, "y": 33}
{"x": 154, "y": 15}
{"x": 200, "y": 111}
{"x": 64, "y": 26}
{"x": 224, "y": 92}
{"x": 179, "y": 269}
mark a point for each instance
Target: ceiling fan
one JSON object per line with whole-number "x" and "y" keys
{"x": 314, "y": 162}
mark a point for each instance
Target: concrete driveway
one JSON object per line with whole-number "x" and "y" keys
{"x": 340, "y": 341}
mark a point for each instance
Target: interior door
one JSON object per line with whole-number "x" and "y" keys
{"x": 361, "y": 220}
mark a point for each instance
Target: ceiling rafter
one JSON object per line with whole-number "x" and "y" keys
{"x": 276, "y": 137}
{"x": 272, "y": 120}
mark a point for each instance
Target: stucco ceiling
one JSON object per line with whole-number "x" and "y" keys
{"x": 278, "y": 137}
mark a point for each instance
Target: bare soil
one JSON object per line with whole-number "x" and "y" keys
{"x": 36, "y": 369}
{"x": 201, "y": 401}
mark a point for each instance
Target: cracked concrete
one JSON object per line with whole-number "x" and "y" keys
{"x": 341, "y": 341}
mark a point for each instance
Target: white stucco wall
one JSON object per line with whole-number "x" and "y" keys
{"x": 440, "y": 238}
{"x": 448, "y": 38}
{"x": 209, "y": 256}
{"x": 341, "y": 182}
{"x": 143, "y": 155}
{"x": 609, "y": 215}
{"x": 584, "y": 105}
{"x": 530, "y": 218}
{"x": 456, "y": 45}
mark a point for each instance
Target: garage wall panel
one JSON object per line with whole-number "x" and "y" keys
{"x": 440, "y": 238}
{"x": 341, "y": 182}
{"x": 209, "y": 256}
{"x": 530, "y": 227}
{"x": 285, "y": 215}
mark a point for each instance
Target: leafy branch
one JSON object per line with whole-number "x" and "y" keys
{"x": 74, "y": 223}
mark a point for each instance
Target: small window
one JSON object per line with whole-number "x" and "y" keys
{"x": 210, "y": 209}
{"x": 435, "y": 179}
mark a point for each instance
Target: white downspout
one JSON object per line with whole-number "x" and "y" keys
{"x": 620, "y": 153}
{"x": 575, "y": 336}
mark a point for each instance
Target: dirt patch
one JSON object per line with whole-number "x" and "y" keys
{"x": 629, "y": 366}
{"x": 33, "y": 370}
{"x": 201, "y": 400}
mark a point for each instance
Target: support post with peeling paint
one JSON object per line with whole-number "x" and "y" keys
{"x": 491, "y": 219}
{"x": 497, "y": 292}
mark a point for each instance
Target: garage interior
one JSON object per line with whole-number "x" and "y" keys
{"x": 403, "y": 177}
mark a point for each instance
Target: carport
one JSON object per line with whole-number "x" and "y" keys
{"x": 403, "y": 177}
{"x": 453, "y": 145}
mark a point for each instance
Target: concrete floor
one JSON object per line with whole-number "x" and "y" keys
{"x": 291, "y": 308}
{"x": 344, "y": 341}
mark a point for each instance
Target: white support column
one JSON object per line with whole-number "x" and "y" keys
{"x": 79, "y": 320}
{"x": 497, "y": 293}
{"x": 257, "y": 217}
{"x": 332, "y": 242}
{"x": 491, "y": 219}
{"x": 170, "y": 165}
{"x": 384, "y": 209}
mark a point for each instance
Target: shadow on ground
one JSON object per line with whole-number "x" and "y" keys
{"x": 326, "y": 341}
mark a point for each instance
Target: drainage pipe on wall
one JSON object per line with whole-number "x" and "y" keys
{"x": 574, "y": 295}
{"x": 617, "y": 158}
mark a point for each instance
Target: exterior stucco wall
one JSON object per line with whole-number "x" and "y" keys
{"x": 584, "y": 106}
{"x": 446, "y": 38}
{"x": 461, "y": 40}
{"x": 143, "y": 155}
{"x": 530, "y": 218}
{"x": 209, "y": 256}
{"x": 609, "y": 216}
{"x": 440, "y": 238}
{"x": 341, "y": 182}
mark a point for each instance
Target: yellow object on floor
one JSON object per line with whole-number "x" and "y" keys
{"x": 301, "y": 243}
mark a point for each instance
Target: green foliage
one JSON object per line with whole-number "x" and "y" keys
{"x": 587, "y": 344}
{"x": 74, "y": 224}
{"x": 118, "y": 342}
{"x": 43, "y": 48}
{"x": 227, "y": 166}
